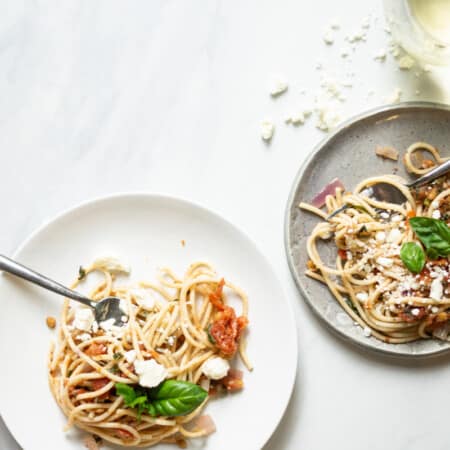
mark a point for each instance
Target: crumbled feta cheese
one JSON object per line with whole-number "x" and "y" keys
{"x": 415, "y": 311}
{"x": 365, "y": 22}
{"x": 380, "y": 236}
{"x": 107, "y": 325}
{"x": 394, "y": 97}
{"x": 434, "y": 309}
{"x": 380, "y": 55}
{"x": 267, "y": 130}
{"x": 406, "y": 62}
{"x": 150, "y": 372}
{"x": 384, "y": 215}
{"x": 394, "y": 235}
{"x": 278, "y": 88}
{"x": 144, "y": 299}
{"x": 367, "y": 331}
{"x": 357, "y": 36}
{"x": 111, "y": 264}
{"x": 171, "y": 340}
{"x": 84, "y": 318}
{"x": 436, "y": 289}
{"x": 436, "y": 214}
{"x": 434, "y": 204}
{"x": 215, "y": 368}
{"x": 326, "y": 118}
{"x": 385, "y": 262}
{"x": 397, "y": 218}
{"x": 328, "y": 38}
{"x": 130, "y": 356}
{"x": 362, "y": 296}
{"x": 84, "y": 337}
{"x": 335, "y": 23}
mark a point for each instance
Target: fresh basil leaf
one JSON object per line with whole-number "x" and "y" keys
{"x": 151, "y": 410}
{"x": 412, "y": 256}
{"x": 170, "y": 398}
{"x": 434, "y": 234}
{"x": 127, "y": 392}
{"x": 176, "y": 398}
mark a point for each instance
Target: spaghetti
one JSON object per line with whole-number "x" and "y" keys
{"x": 370, "y": 279}
{"x": 179, "y": 325}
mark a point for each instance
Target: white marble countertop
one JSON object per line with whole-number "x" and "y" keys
{"x": 167, "y": 96}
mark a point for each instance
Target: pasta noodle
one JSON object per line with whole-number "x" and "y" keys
{"x": 369, "y": 280}
{"x": 167, "y": 322}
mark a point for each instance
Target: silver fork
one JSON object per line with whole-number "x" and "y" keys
{"x": 387, "y": 193}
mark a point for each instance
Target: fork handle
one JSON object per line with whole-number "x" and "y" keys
{"x": 431, "y": 175}
{"x": 19, "y": 270}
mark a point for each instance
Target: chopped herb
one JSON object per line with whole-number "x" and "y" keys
{"x": 363, "y": 229}
{"x": 114, "y": 369}
{"x": 81, "y": 273}
{"x": 351, "y": 305}
{"x": 69, "y": 373}
{"x": 427, "y": 202}
{"x": 210, "y": 336}
{"x": 117, "y": 355}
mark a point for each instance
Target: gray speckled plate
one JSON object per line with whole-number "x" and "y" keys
{"x": 349, "y": 153}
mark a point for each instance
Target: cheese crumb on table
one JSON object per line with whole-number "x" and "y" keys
{"x": 267, "y": 129}
{"x": 278, "y": 87}
{"x": 406, "y": 62}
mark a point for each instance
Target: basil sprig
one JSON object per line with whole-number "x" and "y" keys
{"x": 434, "y": 235}
{"x": 171, "y": 398}
{"x": 412, "y": 256}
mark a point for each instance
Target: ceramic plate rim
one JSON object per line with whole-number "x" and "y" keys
{"x": 291, "y": 379}
{"x": 287, "y": 240}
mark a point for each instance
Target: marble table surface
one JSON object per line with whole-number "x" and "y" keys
{"x": 167, "y": 96}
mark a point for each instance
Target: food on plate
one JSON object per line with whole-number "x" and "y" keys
{"x": 148, "y": 381}
{"x": 392, "y": 268}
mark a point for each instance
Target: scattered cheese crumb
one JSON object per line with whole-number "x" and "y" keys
{"x": 150, "y": 372}
{"x": 394, "y": 235}
{"x": 130, "y": 356}
{"x": 84, "y": 318}
{"x": 328, "y": 38}
{"x": 215, "y": 368}
{"x": 367, "y": 332}
{"x": 380, "y": 55}
{"x": 436, "y": 289}
{"x": 362, "y": 296}
{"x": 380, "y": 236}
{"x": 335, "y": 23}
{"x": 436, "y": 214}
{"x": 394, "y": 97}
{"x": 267, "y": 130}
{"x": 385, "y": 262}
{"x": 278, "y": 88}
{"x": 326, "y": 119}
{"x": 406, "y": 62}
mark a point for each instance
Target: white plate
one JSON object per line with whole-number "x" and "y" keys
{"x": 146, "y": 230}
